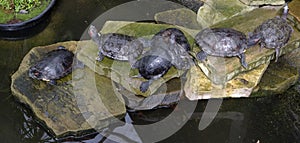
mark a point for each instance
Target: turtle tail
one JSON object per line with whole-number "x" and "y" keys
{"x": 285, "y": 11}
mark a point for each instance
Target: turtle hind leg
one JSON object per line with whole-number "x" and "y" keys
{"x": 277, "y": 53}
{"x": 145, "y": 85}
{"x": 201, "y": 56}
{"x": 100, "y": 57}
{"x": 243, "y": 60}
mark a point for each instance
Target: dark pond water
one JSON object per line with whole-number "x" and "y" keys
{"x": 269, "y": 119}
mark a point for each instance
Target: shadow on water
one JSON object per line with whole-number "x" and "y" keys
{"x": 269, "y": 119}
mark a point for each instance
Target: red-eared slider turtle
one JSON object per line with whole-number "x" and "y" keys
{"x": 273, "y": 33}
{"x": 116, "y": 46}
{"x": 222, "y": 42}
{"x": 55, "y": 65}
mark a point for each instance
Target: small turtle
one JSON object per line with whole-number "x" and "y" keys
{"x": 152, "y": 67}
{"x": 116, "y": 46}
{"x": 222, "y": 42}
{"x": 273, "y": 33}
{"x": 55, "y": 65}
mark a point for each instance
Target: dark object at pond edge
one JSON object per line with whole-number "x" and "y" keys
{"x": 26, "y": 28}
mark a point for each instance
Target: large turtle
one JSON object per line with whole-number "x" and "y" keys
{"x": 168, "y": 47}
{"x": 273, "y": 33}
{"x": 55, "y": 65}
{"x": 116, "y": 46}
{"x": 222, "y": 42}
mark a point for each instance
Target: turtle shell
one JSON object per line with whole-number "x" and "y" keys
{"x": 153, "y": 66}
{"x": 274, "y": 33}
{"x": 175, "y": 35}
{"x": 55, "y": 65}
{"x": 223, "y": 42}
{"x": 116, "y": 46}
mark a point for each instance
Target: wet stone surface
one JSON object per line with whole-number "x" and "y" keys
{"x": 263, "y": 2}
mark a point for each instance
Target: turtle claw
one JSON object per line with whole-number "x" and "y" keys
{"x": 277, "y": 53}
{"x": 201, "y": 56}
{"x": 243, "y": 60}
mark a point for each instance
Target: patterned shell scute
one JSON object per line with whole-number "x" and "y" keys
{"x": 223, "y": 42}
{"x": 275, "y": 32}
{"x": 55, "y": 65}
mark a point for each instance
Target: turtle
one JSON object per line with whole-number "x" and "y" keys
{"x": 179, "y": 47}
{"x": 164, "y": 53}
{"x": 116, "y": 46}
{"x": 274, "y": 33}
{"x": 55, "y": 65}
{"x": 222, "y": 42}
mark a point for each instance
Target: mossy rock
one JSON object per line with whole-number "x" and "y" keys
{"x": 120, "y": 71}
{"x": 221, "y": 70}
{"x": 60, "y": 106}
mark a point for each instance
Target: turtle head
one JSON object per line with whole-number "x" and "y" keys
{"x": 93, "y": 32}
{"x": 253, "y": 39}
{"x": 285, "y": 11}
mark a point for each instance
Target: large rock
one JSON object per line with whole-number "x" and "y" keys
{"x": 181, "y": 17}
{"x": 263, "y": 2}
{"x": 219, "y": 70}
{"x": 85, "y": 102}
{"x": 214, "y": 11}
{"x": 120, "y": 71}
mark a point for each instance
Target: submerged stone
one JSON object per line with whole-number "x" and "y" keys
{"x": 263, "y": 2}
{"x": 120, "y": 71}
{"x": 278, "y": 78}
{"x": 214, "y": 11}
{"x": 181, "y": 17}
{"x": 220, "y": 70}
{"x": 198, "y": 86}
{"x": 67, "y": 108}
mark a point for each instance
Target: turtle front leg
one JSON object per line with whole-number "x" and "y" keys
{"x": 277, "y": 53}
{"x": 52, "y": 82}
{"x": 100, "y": 57}
{"x": 243, "y": 60}
{"x": 201, "y": 56}
{"x": 145, "y": 85}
